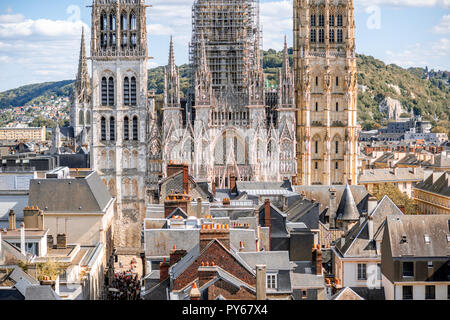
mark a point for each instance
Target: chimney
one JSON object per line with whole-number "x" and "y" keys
{"x": 61, "y": 241}
{"x": 185, "y": 179}
{"x": 195, "y": 293}
{"x": 22, "y": 239}
{"x": 267, "y": 221}
{"x": 33, "y": 218}
{"x": 175, "y": 201}
{"x": 226, "y": 201}
{"x": 371, "y": 205}
{"x": 317, "y": 259}
{"x": 261, "y": 282}
{"x": 211, "y": 232}
{"x": 332, "y": 208}
{"x": 50, "y": 241}
{"x": 206, "y": 272}
{"x": 232, "y": 182}
{"x": 176, "y": 255}
{"x": 199, "y": 207}
{"x": 12, "y": 220}
{"x": 370, "y": 227}
{"x": 164, "y": 270}
{"x": 241, "y": 246}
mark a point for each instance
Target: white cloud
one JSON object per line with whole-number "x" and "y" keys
{"x": 444, "y": 25}
{"x": 406, "y": 3}
{"x": 434, "y": 54}
{"x": 276, "y": 19}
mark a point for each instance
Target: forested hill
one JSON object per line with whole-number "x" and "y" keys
{"x": 418, "y": 90}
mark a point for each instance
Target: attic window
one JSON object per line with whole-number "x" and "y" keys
{"x": 427, "y": 239}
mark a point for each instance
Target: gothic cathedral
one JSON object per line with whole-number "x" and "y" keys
{"x": 326, "y": 91}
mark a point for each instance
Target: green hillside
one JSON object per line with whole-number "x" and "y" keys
{"x": 419, "y": 90}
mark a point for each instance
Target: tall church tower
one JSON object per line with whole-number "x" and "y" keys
{"x": 120, "y": 109}
{"x": 326, "y": 91}
{"x": 80, "y": 111}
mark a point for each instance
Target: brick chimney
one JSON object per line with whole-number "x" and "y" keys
{"x": 214, "y": 188}
{"x": 206, "y": 272}
{"x": 164, "y": 270}
{"x": 195, "y": 293}
{"x": 232, "y": 182}
{"x": 317, "y": 258}
{"x": 174, "y": 201}
{"x": 267, "y": 221}
{"x": 33, "y": 218}
{"x": 176, "y": 255}
{"x": 185, "y": 179}
{"x": 211, "y": 232}
{"x": 261, "y": 284}
{"x": 61, "y": 241}
{"x": 12, "y": 220}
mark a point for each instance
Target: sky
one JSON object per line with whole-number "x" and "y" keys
{"x": 40, "y": 39}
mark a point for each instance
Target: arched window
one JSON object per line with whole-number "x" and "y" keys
{"x": 124, "y": 22}
{"x": 103, "y": 128}
{"x": 332, "y": 36}
{"x": 321, "y": 20}
{"x": 133, "y": 21}
{"x": 104, "y": 92}
{"x": 112, "y": 129}
{"x": 126, "y": 91}
{"x": 331, "y": 20}
{"x": 337, "y": 165}
{"x": 317, "y": 81}
{"x": 104, "y": 40}
{"x": 337, "y": 81}
{"x": 103, "y": 22}
{"x": 112, "y": 22}
{"x": 317, "y": 106}
{"x": 339, "y": 20}
{"x": 124, "y": 40}
{"x": 337, "y": 106}
{"x": 133, "y": 91}
{"x": 81, "y": 117}
{"x": 88, "y": 118}
{"x": 126, "y": 128}
{"x": 313, "y": 20}
{"x": 111, "y": 91}
{"x": 316, "y": 146}
{"x": 337, "y": 147}
{"x": 135, "y": 128}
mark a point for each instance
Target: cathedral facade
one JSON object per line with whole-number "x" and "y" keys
{"x": 226, "y": 129}
{"x": 326, "y": 91}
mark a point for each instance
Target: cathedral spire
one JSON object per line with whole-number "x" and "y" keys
{"x": 83, "y": 82}
{"x": 171, "y": 65}
{"x": 286, "y": 56}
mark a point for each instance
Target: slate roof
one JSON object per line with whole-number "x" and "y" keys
{"x": 68, "y": 195}
{"x": 306, "y": 211}
{"x": 389, "y": 175}
{"x": 438, "y": 182}
{"x": 252, "y": 185}
{"x": 357, "y": 242}
{"x": 178, "y": 212}
{"x": 414, "y": 228}
{"x": 303, "y": 276}
{"x": 41, "y": 293}
{"x": 346, "y": 294}
{"x": 14, "y": 202}
{"x": 322, "y": 195}
{"x": 347, "y": 210}
{"x": 273, "y": 260}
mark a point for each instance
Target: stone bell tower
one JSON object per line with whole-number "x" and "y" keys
{"x": 326, "y": 91}
{"x": 120, "y": 109}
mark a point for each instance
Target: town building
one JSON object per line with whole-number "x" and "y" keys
{"x": 433, "y": 195}
{"x": 415, "y": 262}
{"x": 27, "y": 134}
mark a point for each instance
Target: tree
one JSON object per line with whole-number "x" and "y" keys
{"x": 400, "y": 199}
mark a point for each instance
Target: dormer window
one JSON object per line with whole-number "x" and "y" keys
{"x": 271, "y": 281}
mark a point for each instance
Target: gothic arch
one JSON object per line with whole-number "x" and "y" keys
{"x": 317, "y": 145}
{"x": 103, "y": 159}
{"x": 111, "y": 159}
{"x": 135, "y": 188}
{"x": 340, "y": 145}
{"x": 126, "y": 187}
{"x": 88, "y": 118}
{"x": 112, "y": 187}
{"x": 81, "y": 117}
{"x": 134, "y": 159}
